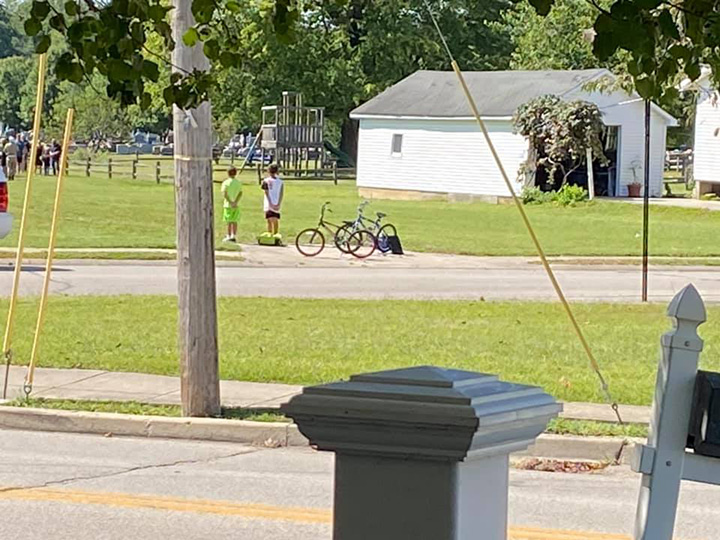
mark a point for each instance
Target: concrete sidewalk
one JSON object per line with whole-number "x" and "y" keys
{"x": 677, "y": 202}
{"x": 86, "y": 384}
{"x": 154, "y": 389}
{"x": 254, "y": 256}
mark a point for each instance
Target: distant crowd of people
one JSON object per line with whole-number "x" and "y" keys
{"x": 15, "y": 154}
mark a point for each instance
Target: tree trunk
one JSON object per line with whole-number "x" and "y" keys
{"x": 530, "y": 172}
{"x": 197, "y": 310}
{"x": 349, "y": 138}
{"x": 590, "y": 173}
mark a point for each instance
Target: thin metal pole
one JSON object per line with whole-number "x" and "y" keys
{"x": 7, "y": 341}
{"x": 646, "y": 205}
{"x": 50, "y": 256}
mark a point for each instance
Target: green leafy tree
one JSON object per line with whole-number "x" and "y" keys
{"x": 341, "y": 55}
{"x": 7, "y": 33}
{"x": 98, "y": 117}
{"x": 13, "y": 76}
{"x": 561, "y": 132}
{"x": 12, "y": 40}
{"x": 339, "y": 52}
{"x": 564, "y": 39}
{"x": 664, "y": 40}
{"x": 114, "y": 39}
{"x": 560, "y": 40}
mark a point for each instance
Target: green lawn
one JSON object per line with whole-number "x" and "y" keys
{"x": 134, "y": 407}
{"x": 6, "y": 256}
{"x": 98, "y": 212}
{"x": 312, "y": 341}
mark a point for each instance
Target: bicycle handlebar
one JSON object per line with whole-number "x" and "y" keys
{"x": 325, "y": 209}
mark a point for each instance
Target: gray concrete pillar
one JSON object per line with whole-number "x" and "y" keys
{"x": 421, "y": 453}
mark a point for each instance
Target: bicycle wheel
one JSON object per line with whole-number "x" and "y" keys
{"x": 383, "y": 244}
{"x": 310, "y": 242}
{"x": 342, "y": 236}
{"x": 362, "y": 244}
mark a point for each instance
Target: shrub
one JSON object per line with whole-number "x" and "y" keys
{"x": 534, "y": 195}
{"x": 81, "y": 154}
{"x": 570, "y": 195}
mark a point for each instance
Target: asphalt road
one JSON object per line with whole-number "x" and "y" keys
{"x": 495, "y": 281}
{"x": 104, "y": 488}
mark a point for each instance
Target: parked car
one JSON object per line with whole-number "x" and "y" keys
{"x": 6, "y": 218}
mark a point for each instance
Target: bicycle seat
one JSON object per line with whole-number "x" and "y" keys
{"x": 381, "y": 215}
{"x": 348, "y": 222}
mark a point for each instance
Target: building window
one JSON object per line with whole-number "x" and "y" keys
{"x": 397, "y": 142}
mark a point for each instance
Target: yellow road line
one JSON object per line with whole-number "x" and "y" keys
{"x": 531, "y": 533}
{"x": 152, "y": 502}
{"x": 249, "y": 511}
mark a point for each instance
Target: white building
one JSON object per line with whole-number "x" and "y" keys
{"x": 706, "y": 150}
{"x": 418, "y": 138}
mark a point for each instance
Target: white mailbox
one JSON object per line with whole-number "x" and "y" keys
{"x": 421, "y": 453}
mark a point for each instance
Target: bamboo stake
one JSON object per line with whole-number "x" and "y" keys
{"x": 51, "y": 253}
{"x": 7, "y": 341}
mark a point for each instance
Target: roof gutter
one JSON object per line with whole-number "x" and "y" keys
{"x": 671, "y": 120}
{"x": 361, "y": 116}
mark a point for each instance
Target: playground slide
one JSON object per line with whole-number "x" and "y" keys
{"x": 344, "y": 160}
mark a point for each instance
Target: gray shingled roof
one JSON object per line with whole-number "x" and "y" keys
{"x": 498, "y": 93}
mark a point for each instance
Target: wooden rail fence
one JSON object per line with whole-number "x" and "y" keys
{"x": 160, "y": 170}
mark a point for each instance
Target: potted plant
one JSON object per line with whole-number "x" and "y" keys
{"x": 635, "y": 186}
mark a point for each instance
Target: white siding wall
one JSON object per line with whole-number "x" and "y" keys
{"x": 706, "y": 166}
{"x": 444, "y": 156}
{"x": 450, "y": 156}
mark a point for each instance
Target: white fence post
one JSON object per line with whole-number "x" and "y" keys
{"x": 590, "y": 174}
{"x": 421, "y": 453}
{"x": 662, "y": 461}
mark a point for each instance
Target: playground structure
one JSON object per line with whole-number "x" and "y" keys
{"x": 293, "y": 136}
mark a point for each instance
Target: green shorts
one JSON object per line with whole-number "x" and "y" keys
{"x": 231, "y": 215}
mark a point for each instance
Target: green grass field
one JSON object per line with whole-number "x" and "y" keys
{"x": 313, "y": 341}
{"x": 134, "y": 407}
{"x": 98, "y": 212}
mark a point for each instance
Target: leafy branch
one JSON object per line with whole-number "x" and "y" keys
{"x": 666, "y": 40}
{"x": 111, "y": 38}
{"x": 560, "y": 133}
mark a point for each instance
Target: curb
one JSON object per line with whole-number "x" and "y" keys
{"x": 574, "y": 448}
{"x": 269, "y": 434}
{"x": 206, "y": 429}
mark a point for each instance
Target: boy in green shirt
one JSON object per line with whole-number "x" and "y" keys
{"x": 232, "y": 193}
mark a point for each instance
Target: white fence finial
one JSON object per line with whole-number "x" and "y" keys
{"x": 688, "y": 305}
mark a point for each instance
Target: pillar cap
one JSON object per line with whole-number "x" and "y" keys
{"x": 423, "y": 412}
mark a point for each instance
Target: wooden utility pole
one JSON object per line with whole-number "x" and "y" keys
{"x": 197, "y": 309}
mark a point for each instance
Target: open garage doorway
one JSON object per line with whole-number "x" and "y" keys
{"x": 605, "y": 175}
